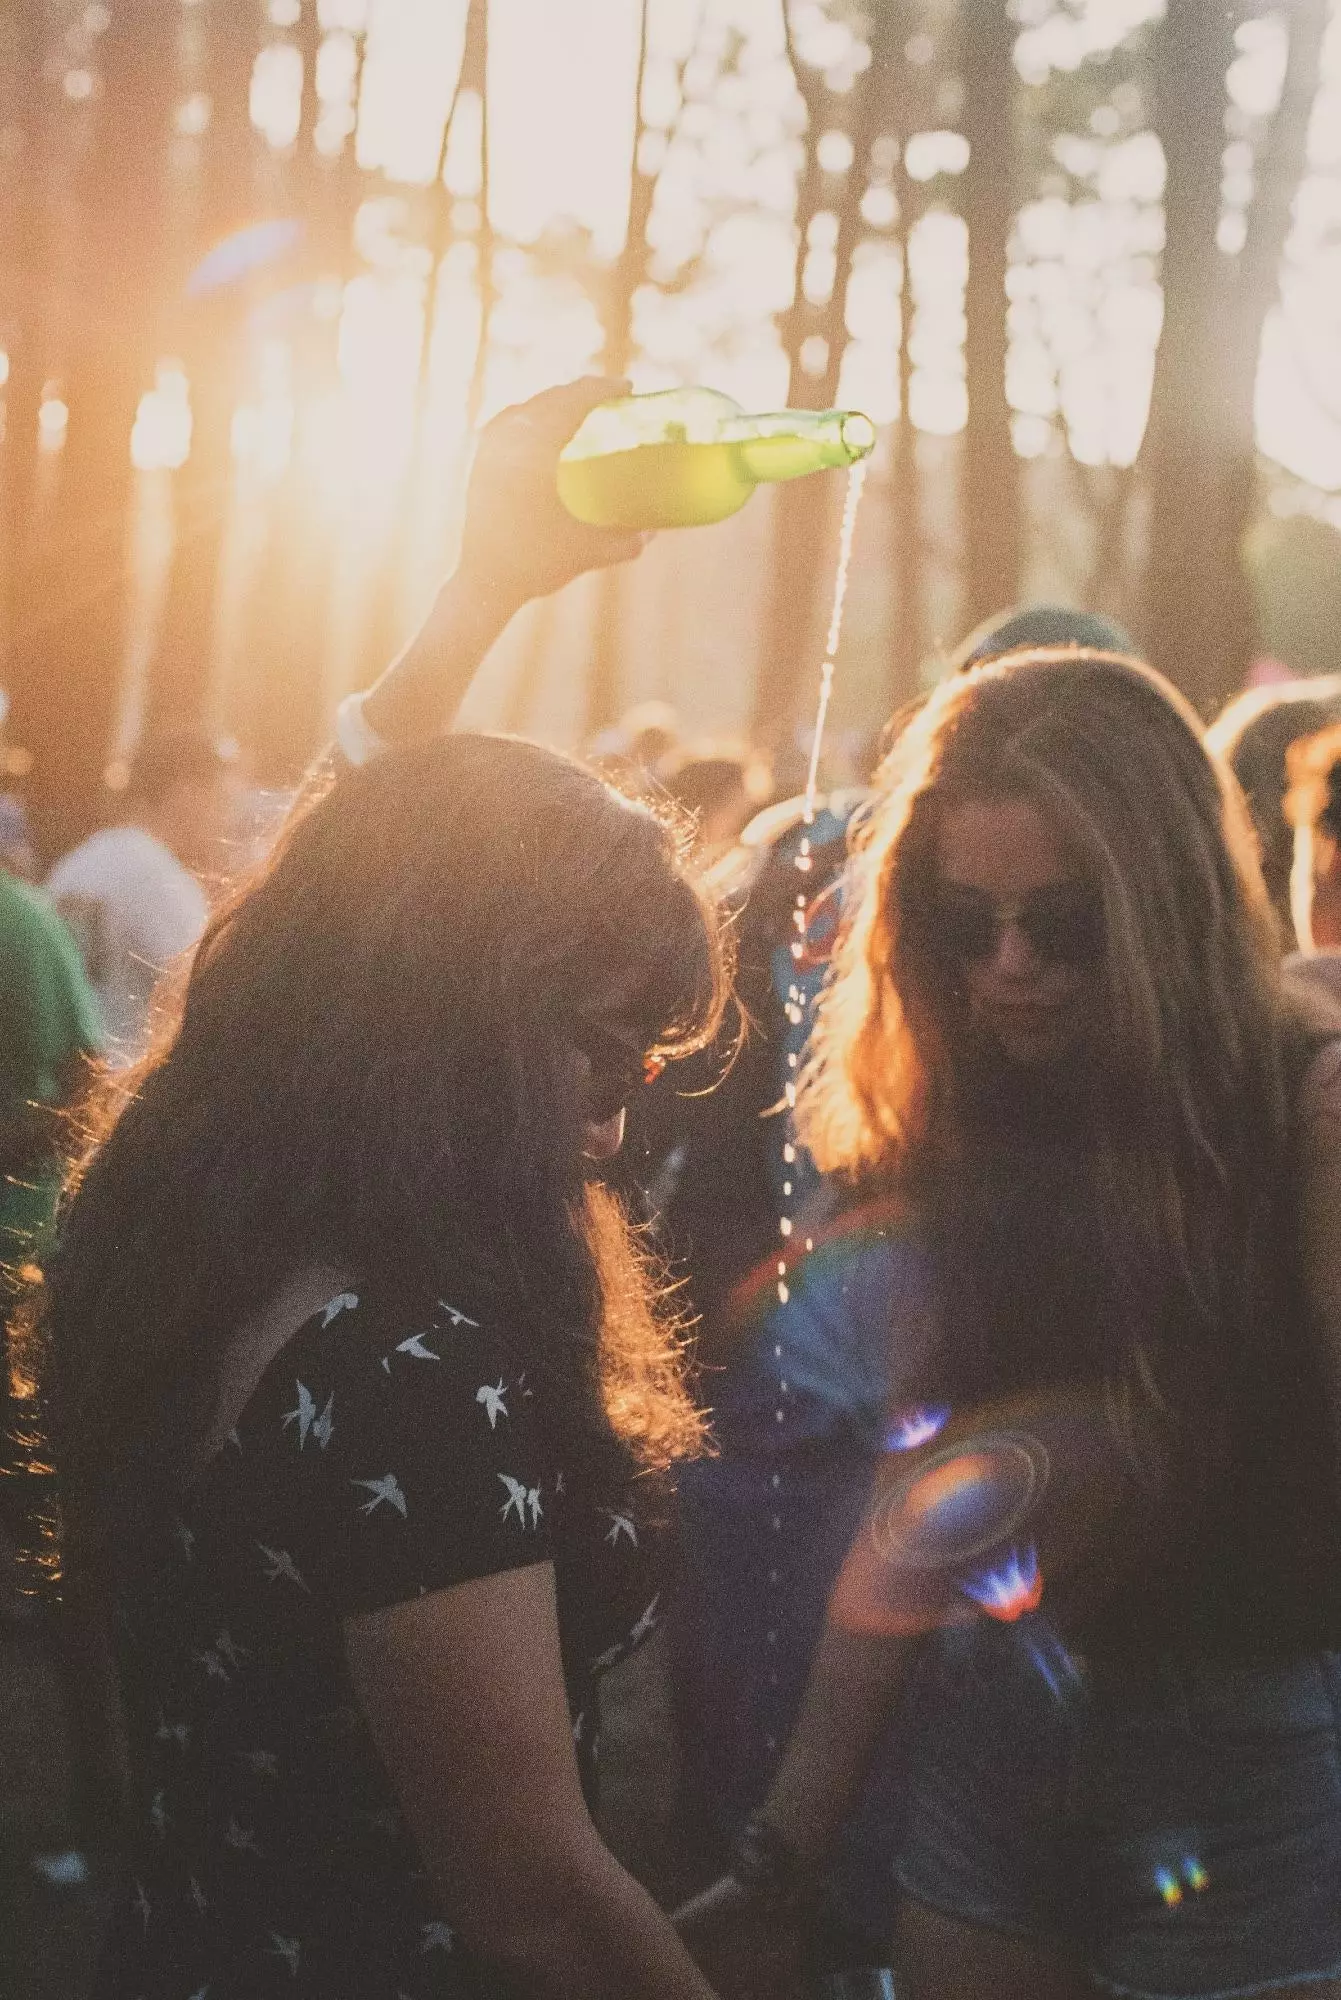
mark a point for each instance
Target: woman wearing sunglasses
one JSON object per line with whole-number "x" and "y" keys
{"x": 1056, "y": 1028}
{"x": 355, "y": 1375}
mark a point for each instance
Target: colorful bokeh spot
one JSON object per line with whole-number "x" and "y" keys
{"x": 1009, "y": 1590}
{"x": 1170, "y": 1888}
{"x": 912, "y": 1427}
{"x": 1171, "y": 1882}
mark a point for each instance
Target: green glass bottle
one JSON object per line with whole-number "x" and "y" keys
{"x": 685, "y": 457}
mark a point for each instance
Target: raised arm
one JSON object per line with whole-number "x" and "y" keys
{"x": 519, "y": 542}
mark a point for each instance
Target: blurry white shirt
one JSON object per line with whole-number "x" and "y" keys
{"x": 134, "y": 909}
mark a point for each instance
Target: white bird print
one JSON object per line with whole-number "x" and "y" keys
{"x": 140, "y": 1904}
{"x": 264, "y": 1762}
{"x": 522, "y": 1384}
{"x": 306, "y": 1418}
{"x": 173, "y": 1732}
{"x": 243, "y": 1838}
{"x": 186, "y": 1537}
{"x": 199, "y": 1898}
{"x": 230, "y": 1650}
{"x": 201, "y": 1993}
{"x": 492, "y": 1399}
{"x": 456, "y": 1316}
{"x": 287, "y": 1948}
{"x": 608, "y": 1657}
{"x": 158, "y": 1814}
{"x": 234, "y": 1439}
{"x": 282, "y": 1564}
{"x": 342, "y": 1302}
{"x": 620, "y": 1524}
{"x": 436, "y": 1937}
{"x": 415, "y": 1346}
{"x": 213, "y": 1665}
{"x": 533, "y": 1502}
{"x": 303, "y": 1415}
{"x": 646, "y": 1622}
{"x": 516, "y": 1497}
{"x": 578, "y": 1726}
{"x": 387, "y": 1488}
{"x": 323, "y": 1427}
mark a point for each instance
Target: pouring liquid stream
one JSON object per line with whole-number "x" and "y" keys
{"x": 856, "y": 480}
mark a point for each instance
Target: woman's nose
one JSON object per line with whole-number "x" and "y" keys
{"x": 1015, "y": 956}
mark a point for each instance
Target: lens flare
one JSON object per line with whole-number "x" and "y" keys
{"x": 1010, "y": 1589}
{"x": 1055, "y": 1666}
{"x": 965, "y": 1505}
{"x": 1170, "y": 1888}
{"x": 245, "y": 251}
{"x": 1194, "y": 1874}
{"x": 912, "y": 1427}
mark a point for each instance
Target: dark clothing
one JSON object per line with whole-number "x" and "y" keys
{"x": 383, "y": 1456}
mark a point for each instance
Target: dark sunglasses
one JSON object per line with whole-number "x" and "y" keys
{"x": 1061, "y": 926}
{"x": 619, "y": 1070}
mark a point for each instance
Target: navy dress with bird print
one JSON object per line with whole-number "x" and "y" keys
{"x": 377, "y": 1461}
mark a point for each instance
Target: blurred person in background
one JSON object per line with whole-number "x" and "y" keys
{"x": 136, "y": 894}
{"x": 357, "y": 1381}
{"x": 1058, "y": 1035}
{"x": 721, "y": 787}
{"x": 1313, "y": 809}
{"x": 1254, "y": 734}
{"x": 633, "y": 751}
{"x": 17, "y": 853}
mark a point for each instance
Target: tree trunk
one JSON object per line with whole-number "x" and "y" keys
{"x": 290, "y": 616}
{"x": 181, "y": 672}
{"x": 69, "y": 638}
{"x": 803, "y": 513}
{"x": 990, "y": 505}
{"x": 604, "y": 681}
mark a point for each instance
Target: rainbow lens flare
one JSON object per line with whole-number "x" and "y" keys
{"x": 1194, "y": 1874}
{"x": 1170, "y": 1888}
{"x": 915, "y": 1426}
{"x": 1010, "y": 1589}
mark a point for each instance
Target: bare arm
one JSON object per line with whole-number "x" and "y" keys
{"x": 855, "y": 1680}
{"x": 464, "y": 1694}
{"x": 519, "y": 542}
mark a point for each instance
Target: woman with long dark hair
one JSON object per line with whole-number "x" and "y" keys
{"x": 358, "y": 1381}
{"x": 1057, "y": 1036}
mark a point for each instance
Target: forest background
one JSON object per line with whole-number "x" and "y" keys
{"x": 265, "y": 263}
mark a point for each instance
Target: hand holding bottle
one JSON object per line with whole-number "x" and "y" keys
{"x": 519, "y": 541}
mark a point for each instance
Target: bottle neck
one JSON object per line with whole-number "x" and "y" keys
{"x": 795, "y": 442}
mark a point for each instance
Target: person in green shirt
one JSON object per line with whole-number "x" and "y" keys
{"x": 48, "y": 1027}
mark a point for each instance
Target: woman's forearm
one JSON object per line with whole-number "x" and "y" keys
{"x": 419, "y": 694}
{"x": 855, "y": 1681}
{"x": 597, "y": 1936}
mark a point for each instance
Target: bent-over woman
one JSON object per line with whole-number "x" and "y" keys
{"x": 357, "y": 1381}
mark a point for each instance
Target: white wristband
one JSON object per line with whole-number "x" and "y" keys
{"x": 359, "y": 743}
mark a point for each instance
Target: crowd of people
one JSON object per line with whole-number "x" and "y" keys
{"x": 891, "y": 1239}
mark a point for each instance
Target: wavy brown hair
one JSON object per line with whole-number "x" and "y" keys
{"x": 372, "y": 1066}
{"x": 1168, "y": 1125}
